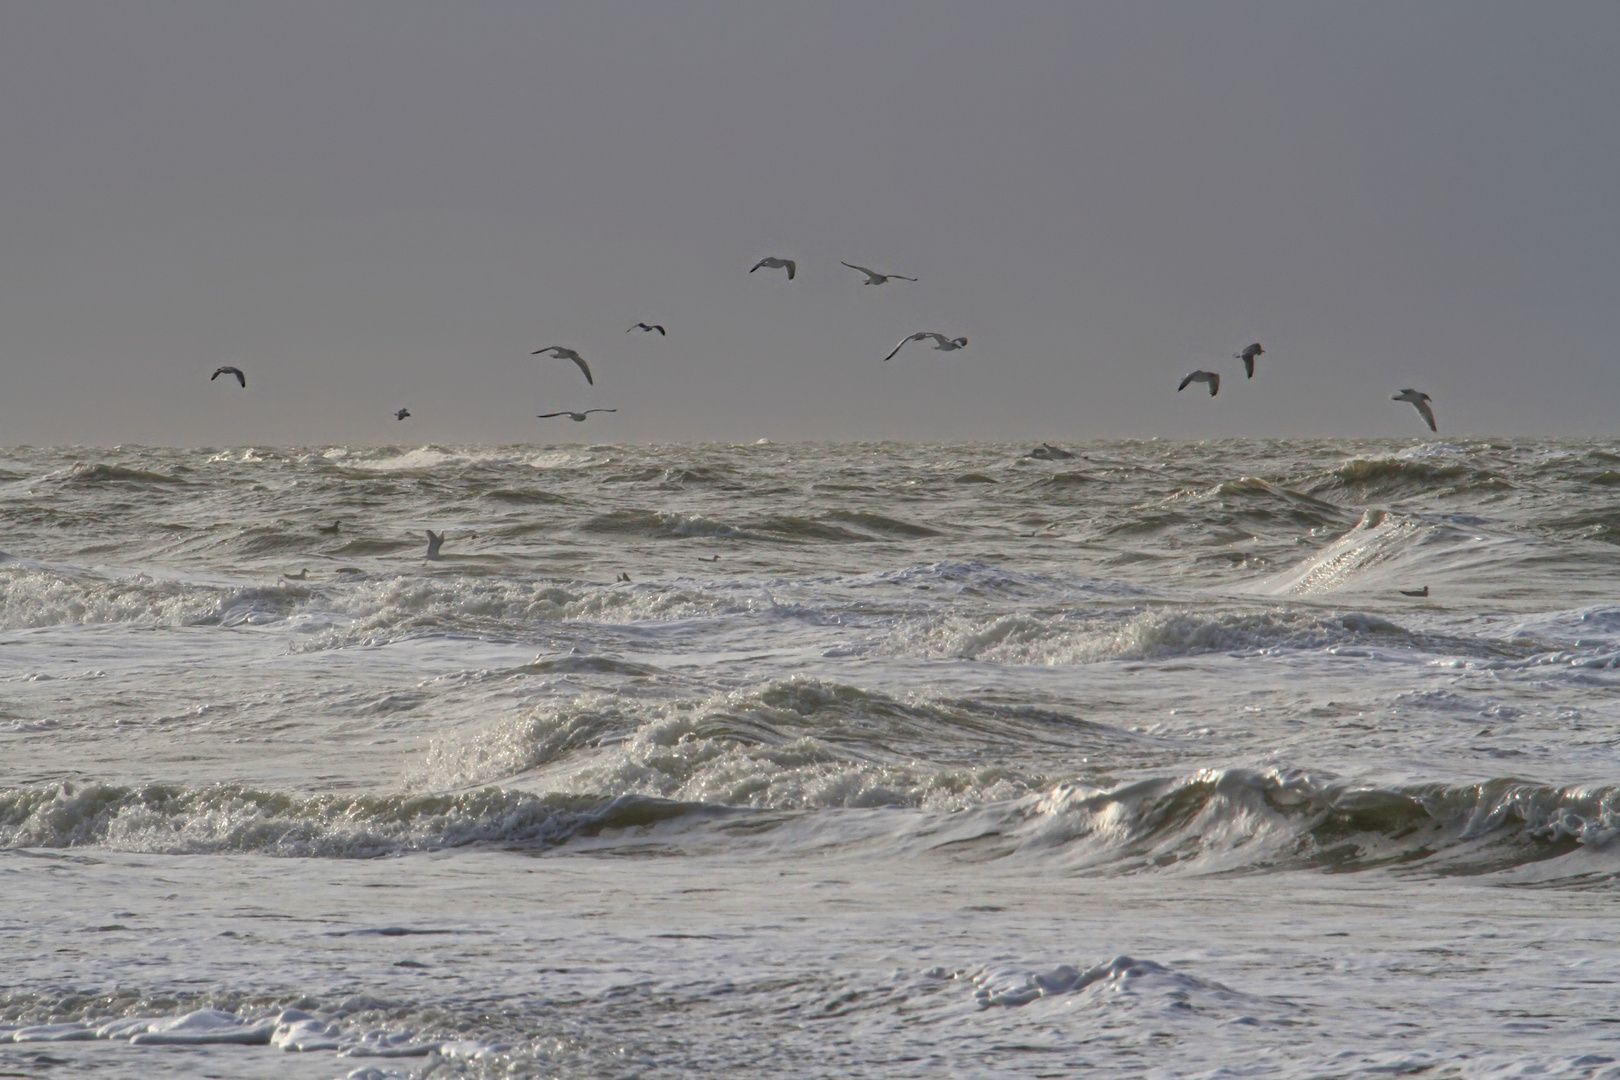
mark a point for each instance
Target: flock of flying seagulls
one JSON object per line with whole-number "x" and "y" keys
{"x": 1419, "y": 400}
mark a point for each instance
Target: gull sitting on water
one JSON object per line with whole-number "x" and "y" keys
{"x": 1211, "y": 377}
{"x": 873, "y": 277}
{"x": 576, "y": 417}
{"x": 1247, "y": 356}
{"x": 771, "y": 262}
{"x": 228, "y": 370}
{"x": 1420, "y": 401}
{"x": 644, "y": 328}
{"x": 567, "y": 354}
{"x": 402, "y": 414}
{"x": 944, "y": 344}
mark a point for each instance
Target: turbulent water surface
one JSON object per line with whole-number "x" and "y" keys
{"x": 887, "y": 760}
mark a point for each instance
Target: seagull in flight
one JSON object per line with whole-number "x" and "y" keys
{"x": 1247, "y": 356}
{"x": 402, "y": 414}
{"x": 1420, "y": 401}
{"x": 1211, "y": 377}
{"x": 645, "y": 329}
{"x": 873, "y": 277}
{"x": 228, "y": 370}
{"x": 434, "y": 540}
{"x": 771, "y": 262}
{"x": 945, "y": 344}
{"x": 576, "y": 417}
{"x": 567, "y": 354}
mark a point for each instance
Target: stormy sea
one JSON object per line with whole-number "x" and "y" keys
{"x": 1236, "y": 758}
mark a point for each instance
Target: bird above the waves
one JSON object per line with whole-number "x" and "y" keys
{"x": 402, "y": 414}
{"x": 1416, "y": 592}
{"x": 1248, "y": 355}
{"x": 944, "y": 344}
{"x": 302, "y": 575}
{"x": 228, "y": 370}
{"x": 1420, "y": 401}
{"x": 873, "y": 277}
{"x": 771, "y": 262}
{"x": 435, "y": 540}
{"x": 1211, "y": 377}
{"x": 561, "y": 353}
{"x": 646, "y": 329}
{"x": 576, "y": 417}
{"x": 330, "y": 530}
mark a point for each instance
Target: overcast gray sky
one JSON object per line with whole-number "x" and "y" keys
{"x": 369, "y": 205}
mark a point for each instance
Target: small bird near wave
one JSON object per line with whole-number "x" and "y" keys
{"x": 1420, "y": 401}
{"x": 944, "y": 344}
{"x": 1213, "y": 378}
{"x": 1416, "y": 592}
{"x": 228, "y": 370}
{"x": 1048, "y": 452}
{"x": 873, "y": 277}
{"x": 771, "y": 262}
{"x": 402, "y": 414}
{"x": 1247, "y": 356}
{"x": 561, "y": 353}
{"x": 330, "y": 530}
{"x": 576, "y": 417}
{"x": 435, "y": 541}
{"x": 646, "y": 329}
{"x": 302, "y": 575}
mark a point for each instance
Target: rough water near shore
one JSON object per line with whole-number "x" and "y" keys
{"x": 887, "y": 760}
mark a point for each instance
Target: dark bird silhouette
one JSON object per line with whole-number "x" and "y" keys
{"x": 228, "y": 370}
{"x": 644, "y": 328}
{"x": 1416, "y": 592}
{"x": 576, "y": 417}
{"x": 402, "y": 414}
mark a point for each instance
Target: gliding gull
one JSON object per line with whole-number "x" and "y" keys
{"x": 1420, "y": 401}
{"x": 873, "y": 277}
{"x": 576, "y": 417}
{"x": 227, "y": 370}
{"x": 567, "y": 354}
{"x": 1211, "y": 377}
{"x": 771, "y": 262}
{"x": 945, "y": 344}
{"x": 1247, "y": 356}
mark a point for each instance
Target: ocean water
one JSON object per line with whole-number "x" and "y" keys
{"x": 888, "y": 760}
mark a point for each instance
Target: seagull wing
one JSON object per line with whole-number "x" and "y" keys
{"x": 1214, "y": 383}
{"x": 902, "y": 277}
{"x": 660, "y": 330}
{"x": 792, "y": 267}
{"x": 557, "y": 349}
{"x": 1427, "y": 414}
{"x": 762, "y": 262}
{"x": 1186, "y": 382}
{"x": 576, "y": 358}
{"x": 589, "y": 411}
{"x": 873, "y": 274}
{"x": 897, "y": 348}
{"x": 549, "y": 415}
